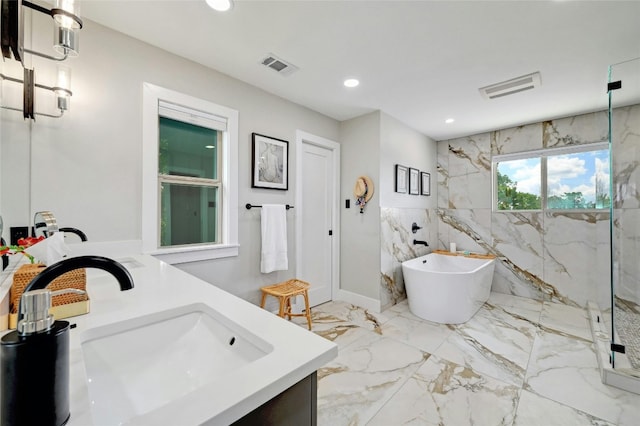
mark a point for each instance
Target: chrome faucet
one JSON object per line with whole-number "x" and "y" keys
{"x": 416, "y": 242}
{"x": 52, "y": 272}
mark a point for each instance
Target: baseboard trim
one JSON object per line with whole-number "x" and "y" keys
{"x": 358, "y": 300}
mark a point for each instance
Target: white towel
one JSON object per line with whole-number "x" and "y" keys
{"x": 274, "y": 238}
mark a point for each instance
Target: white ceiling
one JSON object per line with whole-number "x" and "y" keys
{"x": 418, "y": 61}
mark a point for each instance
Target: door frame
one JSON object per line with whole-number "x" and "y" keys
{"x": 302, "y": 138}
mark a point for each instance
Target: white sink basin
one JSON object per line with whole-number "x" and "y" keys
{"x": 137, "y": 366}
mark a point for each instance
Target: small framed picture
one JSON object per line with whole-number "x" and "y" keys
{"x": 401, "y": 179}
{"x": 414, "y": 181}
{"x": 425, "y": 183}
{"x": 270, "y": 162}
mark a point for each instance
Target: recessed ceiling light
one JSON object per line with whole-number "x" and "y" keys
{"x": 351, "y": 82}
{"x": 220, "y": 5}
{"x": 209, "y": 146}
{"x": 449, "y": 120}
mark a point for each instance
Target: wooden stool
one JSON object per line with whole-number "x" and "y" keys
{"x": 284, "y": 291}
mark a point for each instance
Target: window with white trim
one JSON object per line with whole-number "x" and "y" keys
{"x": 190, "y": 158}
{"x": 567, "y": 178}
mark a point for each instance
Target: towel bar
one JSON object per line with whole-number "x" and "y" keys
{"x": 249, "y": 206}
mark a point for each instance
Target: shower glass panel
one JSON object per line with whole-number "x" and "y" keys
{"x": 624, "y": 137}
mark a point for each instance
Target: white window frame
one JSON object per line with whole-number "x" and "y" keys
{"x": 542, "y": 154}
{"x": 229, "y": 246}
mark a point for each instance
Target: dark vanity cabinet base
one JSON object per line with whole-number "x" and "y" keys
{"x": 295, "y": 406}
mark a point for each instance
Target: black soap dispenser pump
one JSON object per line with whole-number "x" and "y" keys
{"x": 34, "y": 365}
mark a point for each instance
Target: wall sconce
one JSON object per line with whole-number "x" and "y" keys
{"x": 67, "y": 24}
{"x": 61, "y": 90}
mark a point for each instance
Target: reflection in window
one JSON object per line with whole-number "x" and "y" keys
{"x": 188, "y": 176}
{"x": 188, "y": 214}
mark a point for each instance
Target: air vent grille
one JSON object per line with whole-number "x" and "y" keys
{"x": 510, "y": 87}
{"x": 278, "y": 65}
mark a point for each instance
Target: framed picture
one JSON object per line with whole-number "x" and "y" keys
{"x": 270, "y": 162}
{"x": 425, "y": 183}
{"x": 414, "y": 181}
{"x": 401, "y": 179}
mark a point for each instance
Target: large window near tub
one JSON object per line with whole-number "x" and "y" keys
{"x": 190, "y": 163}
{"x": 568, "y": 178}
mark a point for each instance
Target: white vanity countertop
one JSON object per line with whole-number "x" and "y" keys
{"x": 159, "y": 286}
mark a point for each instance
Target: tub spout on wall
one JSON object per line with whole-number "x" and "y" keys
{"x": 416, "y": 242}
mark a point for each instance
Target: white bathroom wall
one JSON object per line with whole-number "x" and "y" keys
{"x": 400, "y": 144}
{"x": 375, "y": 243}
{"x": 86, "y": 167}
{"x": 14, "y": 152}
{"x": 360, "y": 232}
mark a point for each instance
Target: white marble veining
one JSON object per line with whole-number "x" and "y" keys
{"x": 357, "y": 383}
{"x": 517, "y": 139}
{"x": 568, "y": 320}
{"x": 495, "y": 342}
{"x": 424, "y": 335}
{"x": 561, "y": 257}
{"x": 535, "y": 409}
{"x": 529, "y": 361}
{"x": 571, "y": 241}
{"x": 627, "y": 267}
{"x": 626, "y": 157}
{"x": 543, "y": 256}
{"x": 563, "y": 369}
{"x": 469, "y": 172}
{"x": 438, "y": 394}
{"x": 443, "y": 175}
{"x": 397, "y": 246}
{"x": 519, "y": 238}
{"x": 580, "y": 129}
{"x": 470, "y": 229}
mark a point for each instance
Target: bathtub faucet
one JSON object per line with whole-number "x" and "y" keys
{"x": 416, "y": 242}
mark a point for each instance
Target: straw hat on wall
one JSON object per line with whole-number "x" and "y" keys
{"x": 363, "y": 191}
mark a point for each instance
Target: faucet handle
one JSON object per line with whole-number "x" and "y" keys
{"x": 415, "y": 227}
{"x": 34, "y": 309}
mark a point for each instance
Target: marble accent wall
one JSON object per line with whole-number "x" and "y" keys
{"x": 397, "y": 246}
{"x": 554, "y": 256}
{"x": 561, "y": 257}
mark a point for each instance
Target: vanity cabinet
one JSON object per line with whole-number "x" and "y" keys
{"x": 296, "y": 406}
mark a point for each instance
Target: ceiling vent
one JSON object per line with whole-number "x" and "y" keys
{"x": 278, "y": 65}
{"x": 509, "y": 87}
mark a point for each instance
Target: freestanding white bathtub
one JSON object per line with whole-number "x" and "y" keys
{"x": 447, "y": 289}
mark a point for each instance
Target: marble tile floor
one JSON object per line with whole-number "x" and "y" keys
{"x": 516, "y": 362}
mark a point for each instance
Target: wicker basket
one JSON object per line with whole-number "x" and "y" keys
{"x": 64, "y": 305}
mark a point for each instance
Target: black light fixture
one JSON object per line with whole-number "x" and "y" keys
{"x": 67, "y": 24}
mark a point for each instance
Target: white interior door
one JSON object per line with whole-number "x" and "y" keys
{"x": 317, "y": 227}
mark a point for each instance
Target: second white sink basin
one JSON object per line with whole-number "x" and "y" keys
{"x": 137, "y": 366}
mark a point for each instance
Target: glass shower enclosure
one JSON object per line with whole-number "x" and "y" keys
{"x": 624, "y": 143}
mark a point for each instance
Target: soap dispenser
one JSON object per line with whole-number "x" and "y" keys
{"x": 34, "y": 364}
